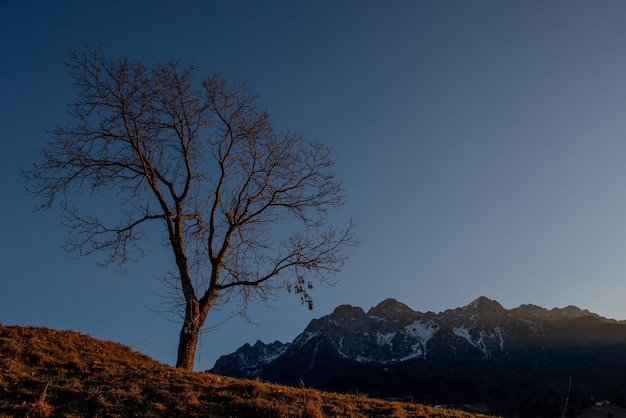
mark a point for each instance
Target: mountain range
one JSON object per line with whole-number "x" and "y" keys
{"x": 516, "y": 362}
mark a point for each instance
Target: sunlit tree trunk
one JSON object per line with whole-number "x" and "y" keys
{"x": 187, "y": 342}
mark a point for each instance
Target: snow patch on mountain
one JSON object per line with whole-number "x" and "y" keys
{"x": 487, "y": 341}
{"x": 463, "y": 332}
{"x": 385, "y": 339}
{"x": 421, "y": 331}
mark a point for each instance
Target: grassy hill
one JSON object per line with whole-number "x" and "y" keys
{"x": 44, "y": 372}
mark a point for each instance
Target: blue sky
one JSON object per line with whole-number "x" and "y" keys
{"x": 482, "y": 145}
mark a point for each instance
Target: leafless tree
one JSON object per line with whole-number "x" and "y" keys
{"x": 201, "y": 159}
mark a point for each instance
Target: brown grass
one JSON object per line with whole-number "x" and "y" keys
{"x": 46, "y": 373}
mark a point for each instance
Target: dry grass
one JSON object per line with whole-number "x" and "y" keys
{"x": 46, "y": 373}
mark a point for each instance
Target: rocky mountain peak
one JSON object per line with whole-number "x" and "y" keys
{"x": 554, "y": 314}
{"x": 346, "y": 312}
{"x": 530, "y": 311}
{"x": 390, "y": 308}
{"x": 484, "y": 305}
{"x": 570, "y": 312}
{"x": 249, "y": 360}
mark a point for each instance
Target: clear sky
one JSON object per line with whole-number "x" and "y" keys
{"x": 482, "y": 143}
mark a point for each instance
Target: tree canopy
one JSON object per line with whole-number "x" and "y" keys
{"x": 202, "y": 160}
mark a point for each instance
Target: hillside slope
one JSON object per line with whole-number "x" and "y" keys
{"x": 44, "y": 372}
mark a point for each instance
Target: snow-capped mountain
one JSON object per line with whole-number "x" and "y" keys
{"x": 393, "y": 332}
{"x": 392, "y": 350}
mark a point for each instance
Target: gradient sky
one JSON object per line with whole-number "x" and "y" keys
{"x": 482, "y": 143}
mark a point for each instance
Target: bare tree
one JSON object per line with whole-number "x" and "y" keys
{"x": 202, "y": 160}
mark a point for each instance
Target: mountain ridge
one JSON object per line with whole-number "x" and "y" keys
{"x": 348, "y": 319}
{"x": 351, "y": 349}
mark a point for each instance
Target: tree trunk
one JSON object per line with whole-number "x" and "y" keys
{"x": 189, "y": 336}
{"x": 187, "y": 345}
{"x": 195, "y": 316}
